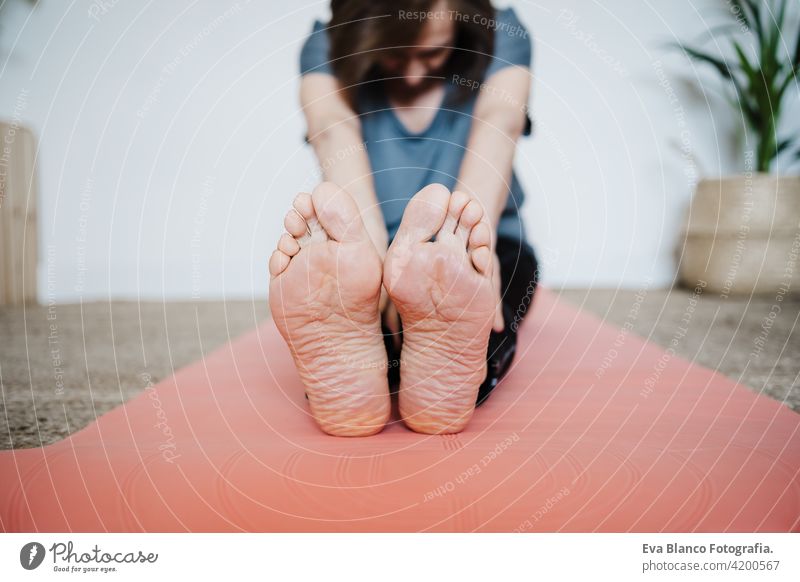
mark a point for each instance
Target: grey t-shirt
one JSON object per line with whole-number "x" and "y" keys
{"x": 404, "y": 162}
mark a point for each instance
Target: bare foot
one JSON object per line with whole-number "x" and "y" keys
{"x": 323, "y": 294}
{"x": 443, "y": 292}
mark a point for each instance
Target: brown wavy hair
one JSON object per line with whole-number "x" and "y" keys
{"x": 360, "y": 30}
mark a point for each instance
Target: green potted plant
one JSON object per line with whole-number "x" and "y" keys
{"x": 743, "y": 232}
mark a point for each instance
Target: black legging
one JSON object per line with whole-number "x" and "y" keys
{"x": 519, "y": 275}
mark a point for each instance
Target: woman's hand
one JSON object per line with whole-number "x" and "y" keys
{"x": 499, "y": 323}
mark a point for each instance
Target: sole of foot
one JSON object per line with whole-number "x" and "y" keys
{"x": 438, "y": 274}
{"x": 325, "y": 282}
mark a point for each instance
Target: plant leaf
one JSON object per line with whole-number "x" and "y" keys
{"x": 784, "y": 143}
{"x": 740, "y": 8}
{"x": 750, "y": 11}
{"x": 744, "y": 62}
{"x": 755, "y": 78}
{"x": 797, "y": 52}
{"x": 720, "y": 65}
{"x": 781, "y": 14}
{"x": 769, "y": 57}
{"x": 791, "y": 75}
{"x": 751, "y": 110}
{"x": 760, "y": 74}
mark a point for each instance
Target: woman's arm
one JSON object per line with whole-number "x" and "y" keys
{"x": 335, "y": 134}
{"x": 499, "y": 119}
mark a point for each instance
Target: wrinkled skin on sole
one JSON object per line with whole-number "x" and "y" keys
{"x": 438, "y": 275}
{"x": 324, "y": 291}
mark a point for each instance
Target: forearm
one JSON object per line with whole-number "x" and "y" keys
{"x": 344, "y": 161}
{"x": 487, "y": 166}
{"x": 498, "y": 122}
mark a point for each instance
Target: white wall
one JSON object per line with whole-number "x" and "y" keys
{"x": 171, "y": 141}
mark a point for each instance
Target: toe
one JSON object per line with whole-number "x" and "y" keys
{"x": 288, "y": 245}
{"x": 480, "y": 236}
{"x": 302, "y": 203}
{"x": 472, "y": 214}
{"x": 304, "y": 206}
{"x": 479, "y": 247}
{"x": 278, "y": 263}
{"x": 425, "y": 214}
{"x": 295, "y": 224}
{"x": 481, "y": 259}
{"x": 458, "y": 201}
{"x": 338, "y": 213}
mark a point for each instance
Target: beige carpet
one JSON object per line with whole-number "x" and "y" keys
{"x": 62, "y": 366}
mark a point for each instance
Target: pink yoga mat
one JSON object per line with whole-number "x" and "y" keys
{"x": 593, "y": 430}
